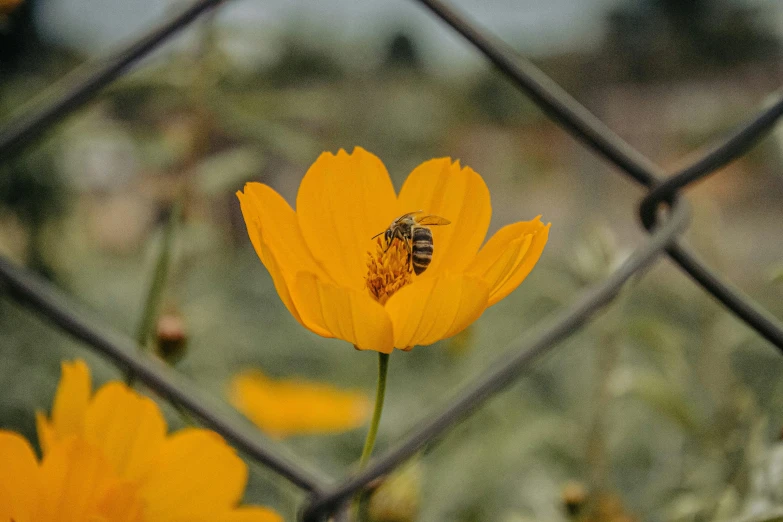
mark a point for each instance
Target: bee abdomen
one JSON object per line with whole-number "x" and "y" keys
{"x": 421, "y": 249}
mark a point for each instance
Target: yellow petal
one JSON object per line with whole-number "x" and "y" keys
{"x": 251, "y": 214}
{"x": 292, "y": 407}
{"x": 70, "y": 400}
{"x": 442, "y": 188}
{"x": 129, "y": 428}
{"x": 435, "y": 308}
{"x": 19, "y": 478}
{"x": 348, "y": 314}
{"x": 342, "y": 202}
{"x": 270, "y": 216}
{"x": 121, "y": 503}
{"x": 509, "y": 256}
{"x": 197, "y": 474}
{"x": 74, "y": 477}
{"x": 284, "y": 289}
{"x": 274, "y": 231}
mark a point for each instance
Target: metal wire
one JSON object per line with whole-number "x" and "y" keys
{"x": 557, "y": 104}
{"x": 739, "y": 142}
{"x": 518, "y": 358}
{"x": 577, "y": 120}
{"x": 85, "y": 82}
{"x": 32, "y": 292}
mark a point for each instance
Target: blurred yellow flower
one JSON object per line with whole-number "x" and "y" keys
{"x": 107, "y": 458}
{"x": 337, "y": 282}
{"x": 282, "y": 408}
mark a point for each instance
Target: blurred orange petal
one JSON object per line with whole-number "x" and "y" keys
{"x": 295, "y": 407}
{"x": 70, "y": 400}
{"x": 121, "y": 503}
{"x": 120, "y": 465}
{"x": 128, "y": 427}
{"x": 75, "y": 476}
{"x": 196, "y": 474}
{"x": 19, "y": 478}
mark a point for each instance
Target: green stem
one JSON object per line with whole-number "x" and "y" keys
{"x": 380, "y": 393}
{"x": 369, "y": 442}
{"x": 157, "y": 284}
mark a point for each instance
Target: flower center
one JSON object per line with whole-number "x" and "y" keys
{"x": 388, "y": 269}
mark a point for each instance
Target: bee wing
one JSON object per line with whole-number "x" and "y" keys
{"x": 409, "y": 214}
{"x": 397, "y": 220}
{"x": 432, "y": 220}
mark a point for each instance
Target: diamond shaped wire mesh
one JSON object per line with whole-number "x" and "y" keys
{"x": 663, "y": 212}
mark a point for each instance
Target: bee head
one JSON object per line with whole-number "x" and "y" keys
{"x": 388, "y": 235}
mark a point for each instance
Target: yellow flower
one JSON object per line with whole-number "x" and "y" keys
{"x": 293, "y": 407}
{"x": 337, "y": 282}
{"x": 107, "y": 458}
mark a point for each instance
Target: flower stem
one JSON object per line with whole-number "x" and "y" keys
{"x": 369, "y": 442}
{"x": 380, "y": 393}
{"x": 157, "y": 285}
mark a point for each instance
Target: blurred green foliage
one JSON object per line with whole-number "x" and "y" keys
{"x": 664, "y": 408}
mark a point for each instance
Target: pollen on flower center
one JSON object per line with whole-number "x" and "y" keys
{"x": 388, "y": 270}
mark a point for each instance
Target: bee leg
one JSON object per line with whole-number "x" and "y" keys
{"x": 395, "y": 235}
{"x": 388, "y": 244}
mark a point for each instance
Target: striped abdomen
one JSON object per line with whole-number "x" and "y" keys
{"x": 421, "y": 249}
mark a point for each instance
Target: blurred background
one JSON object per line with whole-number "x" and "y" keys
{"x": 665, "y": 408}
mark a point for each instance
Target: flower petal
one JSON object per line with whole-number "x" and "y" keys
{"x": 75, "y": 476}
{"x": 19, "y": 478}
{"x": 435, "y": 308}
{"x": 121, "y": 503}
{"x": 292, "y": 407}
{"x": 351, "y": 315}
{"x": 343, "y": 201}
{"x": 269, "y": 218}
{"x": 284, "y": 284}
{"x": 250, "y": 206}
{"x": 71, "y": 399}
{"x": 129, "y": 428}
{"x": 509, "y": 256}
{"x": 442, "y": 188}
{"x": 197, "y": 474}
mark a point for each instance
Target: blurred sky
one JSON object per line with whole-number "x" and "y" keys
{"x": 535, "y": 27}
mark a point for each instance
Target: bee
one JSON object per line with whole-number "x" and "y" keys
{"x": 413, "y": 231}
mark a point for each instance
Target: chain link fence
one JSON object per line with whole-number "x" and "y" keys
{"x": 663, "y": 212}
